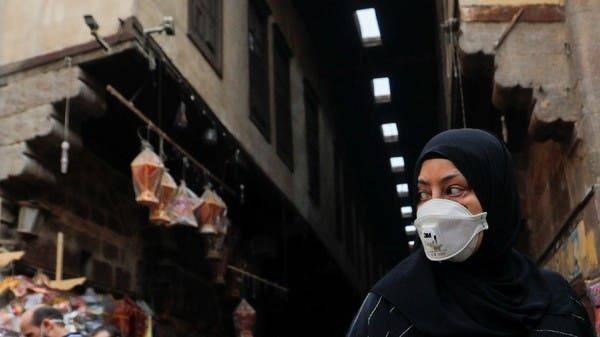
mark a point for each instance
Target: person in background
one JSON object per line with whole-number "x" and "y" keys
{"x": 106, "y": 331}
{"x": 44, "y": 321}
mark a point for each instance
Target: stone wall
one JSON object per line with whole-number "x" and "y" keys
{"x": 93, "y": 205}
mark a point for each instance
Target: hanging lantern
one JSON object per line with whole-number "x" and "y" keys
{"x": 183, "y": 207}
{"x": 181, "y": 120}
{"x": 147, "y": 170}
{"x": 244, "y": 318}
{"x": 166, "y": 193}
{"x": 30, "y": 219}
{"x": 211, "y": 208}
{"x": 215, "y": 236}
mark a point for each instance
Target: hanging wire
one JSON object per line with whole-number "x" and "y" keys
{"x": 64, "y": 156}
{"x": 253, "y": 277}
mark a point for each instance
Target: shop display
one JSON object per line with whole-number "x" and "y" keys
{"x": 82, "y": 313}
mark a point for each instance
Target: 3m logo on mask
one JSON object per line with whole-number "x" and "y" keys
{"x": 431, "y": 241}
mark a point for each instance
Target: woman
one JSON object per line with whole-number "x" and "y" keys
{"x": 466, "y": 279}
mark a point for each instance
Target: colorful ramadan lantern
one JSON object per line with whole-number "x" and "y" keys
{"x": 244, "y": 318}
{"x": 210, "y": 210}
{"x": 166, "y": 193}
{"x": 147, "y": 170}
{"x": 183, "y": 207}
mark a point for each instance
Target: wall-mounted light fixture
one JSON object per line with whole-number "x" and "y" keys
{"x": 410, "y": 230}
{"x": 167, "y": 25}
{"x": 31, "y": 217}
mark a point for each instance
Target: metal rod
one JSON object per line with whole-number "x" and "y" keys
{"x": 258, "y": 278}
{"x": 166, "y": 137}
{"x": 508, "y": 28}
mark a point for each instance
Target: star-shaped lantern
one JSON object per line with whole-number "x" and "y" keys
{"x": 183, "y": 206}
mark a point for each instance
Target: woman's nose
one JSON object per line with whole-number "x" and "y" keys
{"x": 436, "y": 193}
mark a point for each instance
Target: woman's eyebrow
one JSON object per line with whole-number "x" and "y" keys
{"x": 450, "y": 176}
{"x": 422, "y": 181}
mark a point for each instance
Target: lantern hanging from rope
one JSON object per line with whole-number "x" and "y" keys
{"x": 244, "y": 318}
{"x": 210, "y": 214}
{"x": 147, "y": 170}
{"x": 166, "y": 193}
{"x": 211, "y": 208}
{"x": 183, "y": 206}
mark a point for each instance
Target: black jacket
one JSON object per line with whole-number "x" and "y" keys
{"x": 379, "y": 318}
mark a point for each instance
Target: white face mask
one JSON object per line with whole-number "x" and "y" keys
{"x": 448, "y": 230}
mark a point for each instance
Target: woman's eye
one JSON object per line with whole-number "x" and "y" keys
{"x": 454, "y": 191}
{"x": 424, "y": 196}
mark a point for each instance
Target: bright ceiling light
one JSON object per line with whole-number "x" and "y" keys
{"x": 368, "y": 27}
{"x": 402, "y": 190}
{"x": 411, "y": 244}
{"x": 381, "y": 90}
{"x": 397, "y": 164}
{"x": 406, "y": 212}
{"x": 410, "y": 230}
{"x": 390, "y": 132}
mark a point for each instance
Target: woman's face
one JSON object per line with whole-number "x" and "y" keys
{"x": 440, "y": 179}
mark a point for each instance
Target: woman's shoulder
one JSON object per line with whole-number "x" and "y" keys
{"x": 377, "y": 317}
{"x": 566, "y": 313}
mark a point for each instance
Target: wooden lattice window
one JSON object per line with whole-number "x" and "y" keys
{"x": 258, "y": 64}
{"x": 205, "y": 21}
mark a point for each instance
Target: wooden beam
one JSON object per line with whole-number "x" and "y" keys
{"x": 531, "y": 13}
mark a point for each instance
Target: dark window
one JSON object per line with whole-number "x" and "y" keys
{"x": 204, "y": 29}
{"x": 338, "y": 175}
{"x": 311, "y": 106}
{"x": 258, "y": 14}
{"x": 283, "y": 109}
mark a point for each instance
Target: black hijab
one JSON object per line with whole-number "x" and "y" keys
{"x": 497, "y": 291}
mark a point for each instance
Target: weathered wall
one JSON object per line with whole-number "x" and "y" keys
{"x": 31, "y": 28}
{"x": 559, "y": 163}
